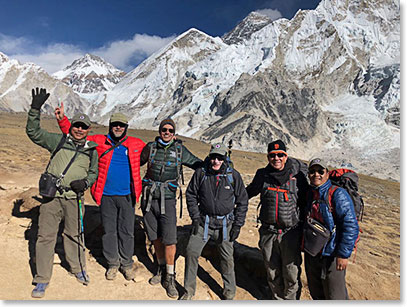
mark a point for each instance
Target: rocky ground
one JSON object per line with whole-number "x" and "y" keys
{"x": 373, "y": 274}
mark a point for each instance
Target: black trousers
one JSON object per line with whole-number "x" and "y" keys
{"x": 325, "y": 282}
{"x": 118, "y": 218}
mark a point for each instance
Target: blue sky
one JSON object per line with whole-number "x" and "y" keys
{"x": 54, "y": 33}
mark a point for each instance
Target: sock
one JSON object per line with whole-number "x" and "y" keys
{"x": 170, "y": 269}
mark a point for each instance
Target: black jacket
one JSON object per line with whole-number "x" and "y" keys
{"x": 210, "y": 193}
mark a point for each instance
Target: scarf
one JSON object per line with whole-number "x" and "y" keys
{"x": 277, "y": 177}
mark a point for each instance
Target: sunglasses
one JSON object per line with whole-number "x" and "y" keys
{"x": 166, "y": 129}
{"x": 279, "y": 154}
{"x": 80, "y": 125}
{"x": 219, "y": 157}
{"x": 118, "y": 124}
{"x": 319, "y": 171}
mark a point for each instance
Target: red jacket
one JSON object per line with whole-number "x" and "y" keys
{"x": 134, "y": 146}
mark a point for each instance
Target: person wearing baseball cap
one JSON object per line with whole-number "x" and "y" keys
{"x": 117, "y": 189}
{"x": 338, "y": 216}
{"x": 165, "y": 157}
{"x": 215, "y": 194}
{"x": 282, "y": 186}
{"x": 74, "y": 167}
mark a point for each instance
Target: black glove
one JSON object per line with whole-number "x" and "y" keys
{"x": 234, "y": 233}
{"x": 79, "y": 186}
{"x": 195, "y": 226}
{"x": 39, "y": 98}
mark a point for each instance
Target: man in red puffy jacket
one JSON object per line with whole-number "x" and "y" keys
{"x": 116, "y": 190}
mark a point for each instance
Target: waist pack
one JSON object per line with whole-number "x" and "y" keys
{"x": 316, "y": 236}
{"x": 48, "y": 185}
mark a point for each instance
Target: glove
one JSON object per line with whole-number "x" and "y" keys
{"x": 234, "y": 233}
{"x": 79, "y": 186}
{"x": 195, "y": 226}
{"x": 39, "y": 98}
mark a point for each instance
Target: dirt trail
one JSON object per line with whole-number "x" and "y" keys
{"x": 374, "y": 276}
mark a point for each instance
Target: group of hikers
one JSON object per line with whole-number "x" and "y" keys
{"x": 296, "y": 214}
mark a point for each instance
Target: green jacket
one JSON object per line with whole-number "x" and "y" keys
{"x": 85, "y": 165}
{"x": 163, "y": 166}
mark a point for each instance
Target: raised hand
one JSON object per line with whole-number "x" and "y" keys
{"x": 39, "y": 98}
{"x": 59, "y": 111}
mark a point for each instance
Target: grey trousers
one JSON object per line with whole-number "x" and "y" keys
{"x": 227, "y": 265}
{"x": 325, "y": 282}
{"x": 51, "y": 214}
{"x": 118, "y": 223}
{"x": 282, "y": 259}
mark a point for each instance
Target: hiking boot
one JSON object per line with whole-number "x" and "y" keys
{"x": 39, "y": 290}
{"x": 129, "y": 273}
{"x": 111, "y": 273}
{"x": 83, "y": 278}
{"x": 186, "y": 297}
{"x": 158, "y": 277}
{"x": 169, "y": 285}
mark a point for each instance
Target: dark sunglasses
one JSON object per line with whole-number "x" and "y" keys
{"x": 219, "y": 157}
{"x": 319, "y": 171}
{"x": 80, "y": 125}
{"x": 166, "y": 129}
{"x": 118, "y": 124}
{"x": 279, "y": 154}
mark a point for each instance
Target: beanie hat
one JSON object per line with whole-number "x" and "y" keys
{"x": 167, "y": 121}
{"x": 276, "y": 146}
{"x": 81, "y": 118}
{"x": 118, "y": 117}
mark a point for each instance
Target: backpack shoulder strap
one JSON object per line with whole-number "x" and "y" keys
{"x": 58, "y": 148}
{"x": 178, "y": 150}
{"x": 229, "y": 174}
{"x": 153, "y": 151}
{"x": 330, "y": 194}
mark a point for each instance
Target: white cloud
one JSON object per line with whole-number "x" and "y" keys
{"x": 122, "y": 53}
{"x": 271, "y": 13}
{"x": 53, "y": 57}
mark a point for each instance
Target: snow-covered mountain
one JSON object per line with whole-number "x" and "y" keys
{"x": 327, "y": 82}
{"x": 17, "y": 80}
{"x": 89, "y": 75}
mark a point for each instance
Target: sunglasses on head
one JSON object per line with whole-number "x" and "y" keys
{"x": 219, "y": 157}
{"x": 118, "y": 124}
{"x": 279, "y": 154}
{"x": 166, "y": 129}
{"x": 319, "y": 171}
{"x": 80, "y": 125}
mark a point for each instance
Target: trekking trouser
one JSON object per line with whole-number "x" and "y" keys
{"x": 51, "y": 214}
{"x": 282, "y": 259}
{"x": 118, "y": 223}
{"x": 193, "y": 251}
{"x": 325, "y": 282}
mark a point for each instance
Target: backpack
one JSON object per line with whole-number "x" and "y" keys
{"x": 229, "y": 175}
{"x": 348, "y": 179}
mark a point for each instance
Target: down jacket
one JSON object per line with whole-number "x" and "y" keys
{"x": 342, "y": 216}
{"x": 134, "y": 147}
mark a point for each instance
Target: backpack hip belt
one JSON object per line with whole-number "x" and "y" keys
{"x": 151, "y": 186}
{"x": 224, "y": 219}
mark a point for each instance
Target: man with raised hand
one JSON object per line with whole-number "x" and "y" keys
{"x": 73, "y": 164}
{"x": 116, "y": 190}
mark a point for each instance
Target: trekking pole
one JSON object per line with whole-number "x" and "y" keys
{"x": 230, "y": 147}
{"x": 81, "y": 232}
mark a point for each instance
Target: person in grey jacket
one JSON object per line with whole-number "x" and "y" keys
{"x": 82, "y": 172}
{"x": 282, "y": 185}
{"x": 217, "y": 204}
